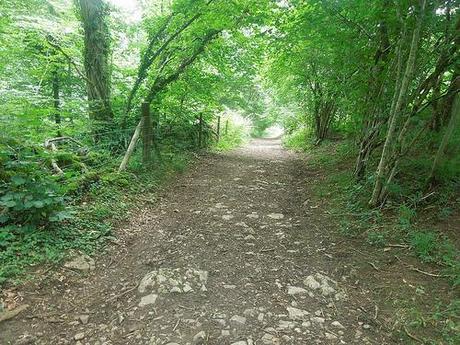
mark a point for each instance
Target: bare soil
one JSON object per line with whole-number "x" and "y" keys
{"x": 236, "y": 250}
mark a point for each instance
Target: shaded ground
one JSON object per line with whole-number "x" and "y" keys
{"x": 235, "y": 251}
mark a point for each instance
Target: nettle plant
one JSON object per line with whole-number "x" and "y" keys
{"x": 30, "y": 200}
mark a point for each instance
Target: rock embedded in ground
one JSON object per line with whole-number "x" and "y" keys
{"x": 275, "y": 216}
{"x": 270, "y": 339}
{"x": 199, "y": 338}
{"x": 238, "y": 319}
{"x": 84, "y": 319}
{"x": 337, "y": 324}
{"x": 82, "y": 263}
{"x": 148, "y": 300}
{"x": 79, "y": 336}
{"x": 294, "y": 290}
{"x": 297, "y": 314}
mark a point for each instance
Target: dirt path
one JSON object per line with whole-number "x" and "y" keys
{"x": 232, "y": 252}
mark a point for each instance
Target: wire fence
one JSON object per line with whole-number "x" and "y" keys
{"x": 107, "y": 145}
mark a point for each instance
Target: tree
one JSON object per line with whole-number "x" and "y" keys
{"x": 94, "y": 17}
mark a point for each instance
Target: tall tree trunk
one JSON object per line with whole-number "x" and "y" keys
{"x": 56, "y": 99}
{"x": 383, "y": 168}
{"x": 94, "y": 15}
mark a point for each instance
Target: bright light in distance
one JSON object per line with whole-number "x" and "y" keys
{"x": 129, "y": 8}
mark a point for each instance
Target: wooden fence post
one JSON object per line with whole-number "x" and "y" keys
{"x": 218, "y": 128}
{"x": 146, "y": 133}
{"x": 200, "y": 132}
{"x": 132, "y": 145}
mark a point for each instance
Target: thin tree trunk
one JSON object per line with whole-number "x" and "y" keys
{"x": 56, "y": 100}
{"x": 382, "y": 170}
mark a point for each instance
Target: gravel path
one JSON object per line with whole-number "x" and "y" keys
{"x": 234, "y": 251}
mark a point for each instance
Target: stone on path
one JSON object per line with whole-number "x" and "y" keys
{"x": 297, "y": 314}
{"x": 270, "y": 339}
{"x": 275, "y": 215}
{"x": 82, "y": 263}
{"x": 199, "y": 338}
{"x": 294, "y": 290}
{"x": 147, "y": 300}
{"x": 79, "y": 336}
{"x": 238, "y": 319}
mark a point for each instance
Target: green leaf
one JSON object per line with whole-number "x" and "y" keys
{"x": 18, "y": 180}
{"x": 39, "y": 204}
{"x": 8, "y": 203}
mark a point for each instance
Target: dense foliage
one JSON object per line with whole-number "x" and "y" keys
{"x": 385, "y": 73}
{"x": 74, "y": 76}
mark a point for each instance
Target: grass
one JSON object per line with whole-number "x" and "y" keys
{"x": 402, "y": 221}
{"x": 97, "y": 203}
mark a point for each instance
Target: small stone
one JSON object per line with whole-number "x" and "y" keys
{"x": 229, "y": 287}
{"x": 241, "y": 342}
{"x": 199, "y": 338}
{"x": 225, "y": 333}
{"x": 275, "y": 215}
{"x": 175, "y": 289}
{"x": 238, "y": 319}
{"x": 269, "y": 339}
{"x": 227, "y": 217}
{"x": 187, "y": 288}
{"x": 84, "y": 319}
{"x": 282, "y": 325}
{"x": 306, "y": 324}
{"x": 296, "y": 314}
{"x": 366, "y": 326}
{"x": 147, "y": 300}
{"x": 79, "y": 336}
{"x": 317, "y": 319}
{"x": 311, "y": 283}
{"x": 340, "y": 296}
{"x": 294, "y": 290}
{"x": 337, "y": 324}
{"x": 82, "y": 263}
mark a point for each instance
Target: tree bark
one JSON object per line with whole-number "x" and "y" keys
{"x": 56, "y": 99}
{"x": 94, "y": 16}
{"x": 377, "y": 197}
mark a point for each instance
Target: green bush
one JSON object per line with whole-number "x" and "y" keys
{"x": 234, "y": 137}
{"x": 299, "y": 139}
